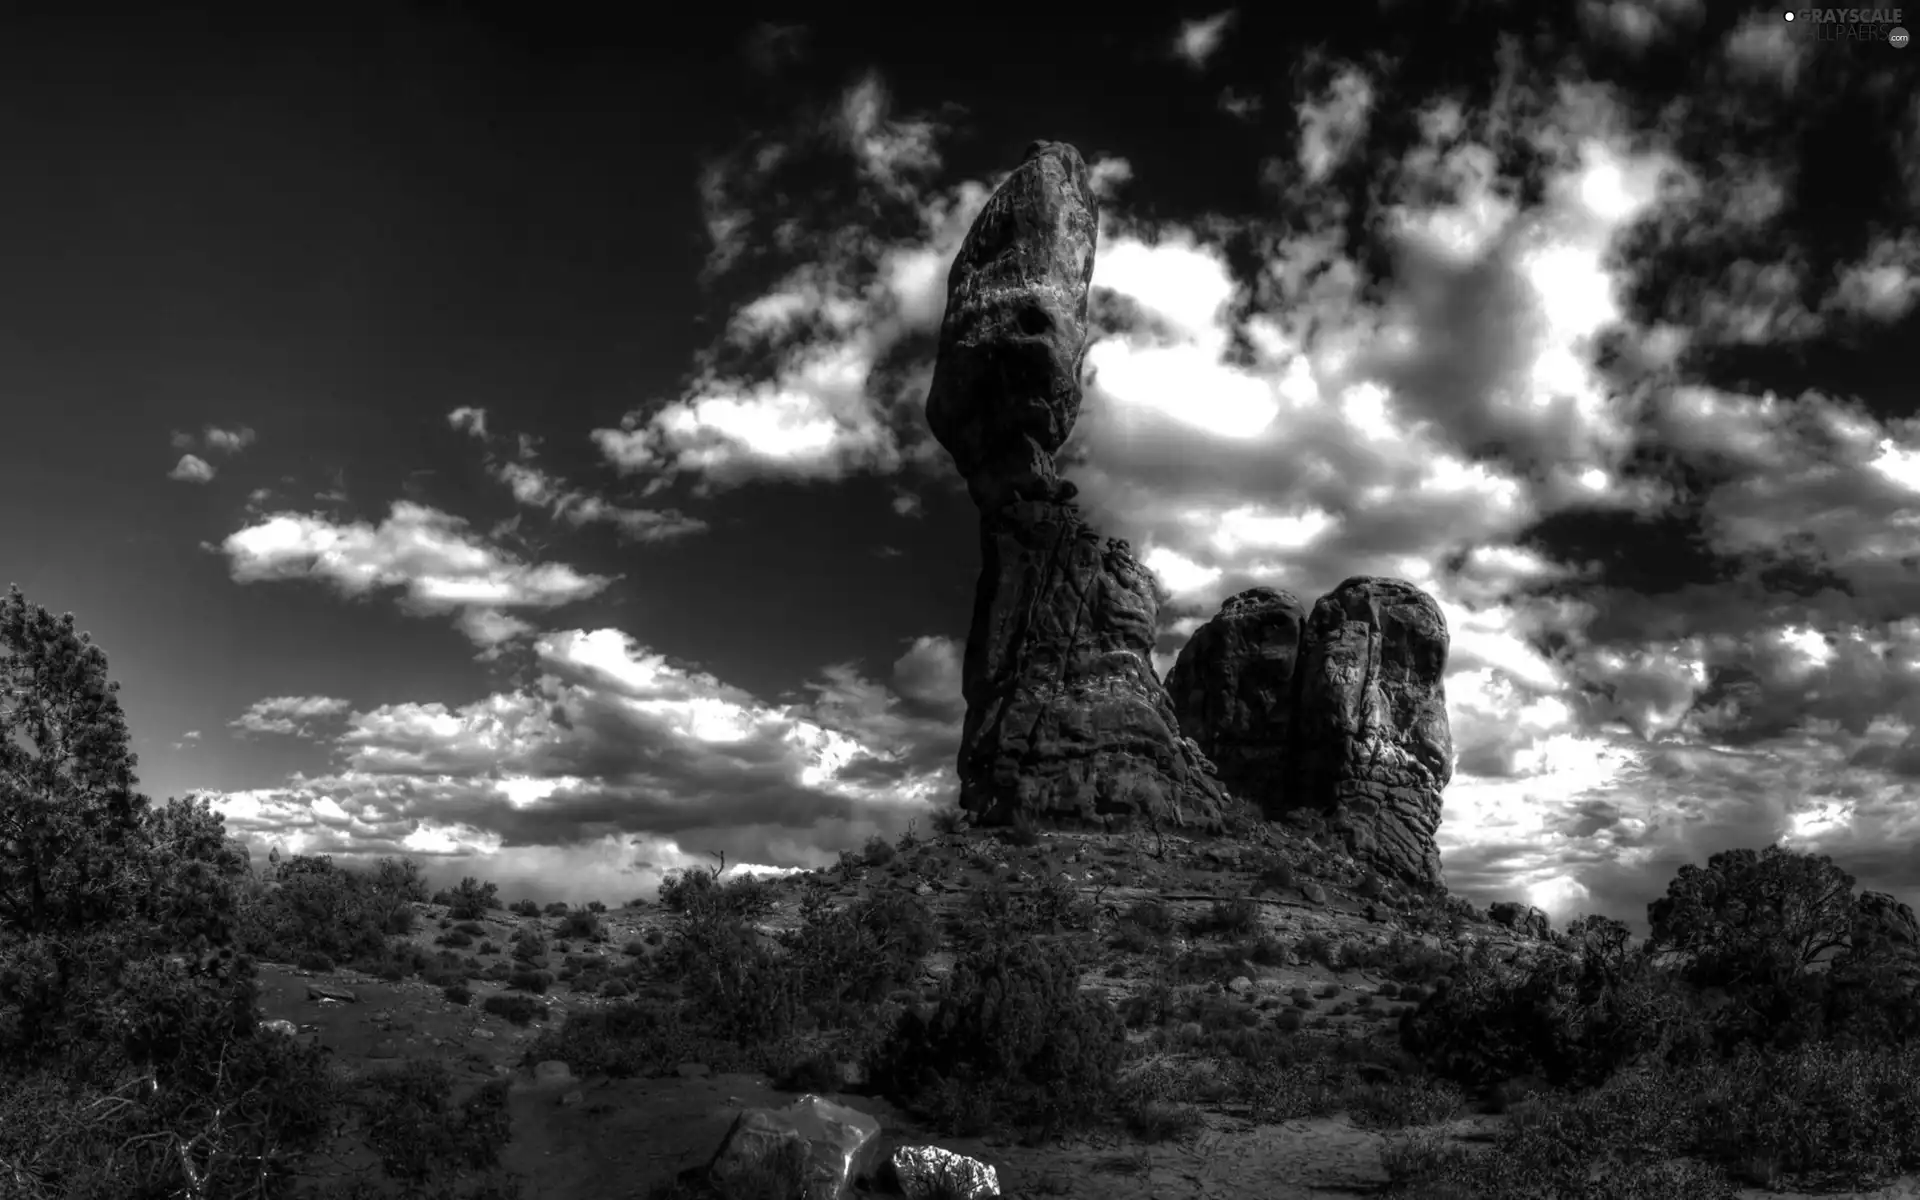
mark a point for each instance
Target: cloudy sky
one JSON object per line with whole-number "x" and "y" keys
{"x": 506, "y": 446}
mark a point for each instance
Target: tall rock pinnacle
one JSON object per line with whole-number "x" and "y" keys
{"x": 1065, "y": 716}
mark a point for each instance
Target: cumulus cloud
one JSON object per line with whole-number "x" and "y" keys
{"x": 1884, "y": 285}
{"x": 537, "y": 488}
{"x": 1638, "y": 25}
{"x": 436, "y": 563}
{"x": 822, "y": 375}
{"x": 216, "y": 439}
{"x": 292, "y": 716}
{"x": 619, "y": 756}
{"x": 468, "y": 419}
{"x": 1331, "y": 125}
{"x": 191, "y": 469}
{"x": 928, "y": 675}
{"x": 1197, "y": 41}
{"x": 229, "y": 441}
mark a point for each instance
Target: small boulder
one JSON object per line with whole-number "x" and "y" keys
{"x": 842, "y": 1144}
{"x": 923, "y": 1172}
{"x": 331, "y": 993}
{"x": 1521, "y": 918}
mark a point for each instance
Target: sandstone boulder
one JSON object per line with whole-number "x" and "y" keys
{"x": 837, "y": 1145}
{"x": 1521, "y": 918}
{"x": 1884, "y": 930}
{"x": 1233, "y": 691}
{"x": 1066, "y": 718}
{"x": 1878, "y": 918}
{"x": 1371, "y": 726}
{"x": 1338, "y": 712}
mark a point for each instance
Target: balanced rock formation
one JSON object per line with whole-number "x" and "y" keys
{"x": 1349, "y": 722}
{"x": 1066, "y": 719}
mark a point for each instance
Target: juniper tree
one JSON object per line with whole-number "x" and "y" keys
{"x": 69, "y": 816}
{"x": 93, "y": 876}
{"x": 1752, "y": 917}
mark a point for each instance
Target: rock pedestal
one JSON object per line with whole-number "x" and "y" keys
{"x": 1066, "y": 719}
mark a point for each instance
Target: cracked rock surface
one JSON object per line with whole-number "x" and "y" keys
{"x": 1339, "y": 711}
{"x": 1066, "y": 718}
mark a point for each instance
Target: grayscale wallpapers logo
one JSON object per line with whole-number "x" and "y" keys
{"x": 1853, "y": 24}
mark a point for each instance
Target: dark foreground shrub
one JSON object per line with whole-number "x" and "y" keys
{"x": 1236, "y": 917}
{"x": 853, "y": 957}
{"x": 1012, "y": 1039}
{"x": 536, "y": 982}
{"x": 518, "y": 1009}
{"x": 471, "y": 899}
{"x": 417, "y": 1131}
{"x": 638, "y": 1037}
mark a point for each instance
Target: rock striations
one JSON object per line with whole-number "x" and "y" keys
{"x": 1066, "y": 719}
{"x": 1339, "y": 711}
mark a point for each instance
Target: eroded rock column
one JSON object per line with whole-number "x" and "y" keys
{"x": 1339, "y": 711}
{"x": 1373, "y": 743}
{"x": 1066, "y": 718}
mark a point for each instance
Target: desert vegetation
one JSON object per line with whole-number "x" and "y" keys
{"x": 1762, "y": 1035}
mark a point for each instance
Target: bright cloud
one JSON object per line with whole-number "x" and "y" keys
{"x": 622, "y": 755}
{"x": 435, "y": 562}
{"x": 229, "y": 441}
{"x": 1197, "y": 41}
{"x": 824, "y": 375}
{"x": 191, "y": 469}
{"x": 291, "y": 716}
{"x": 1330, "y": 127}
